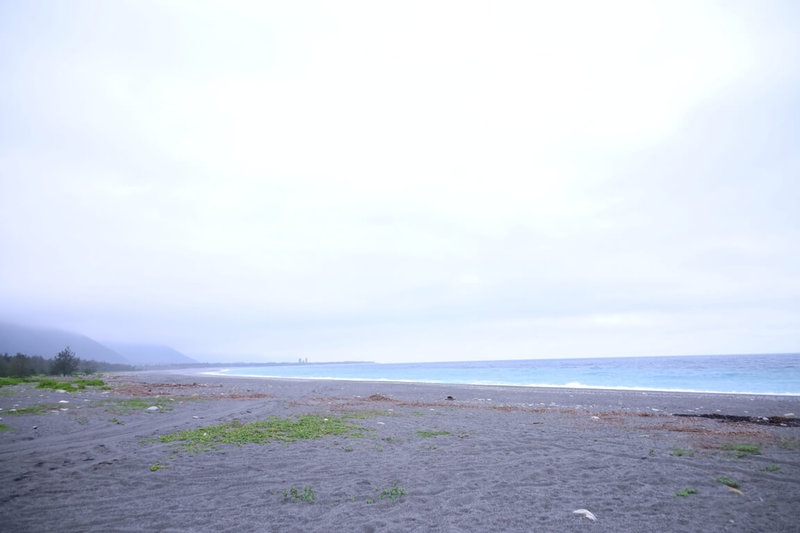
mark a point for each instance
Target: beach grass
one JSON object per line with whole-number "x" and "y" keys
{"x": 4, "y": 427}
{"x": 70, "y": 386}
{"x": 73, "y": 385}
{"x": 38, "y": 409}
{"x": 743, "y": 450}
{"x": 725, "y": 480}
{"x": 130, "y": 405}
{"x": 680, "y": 452}
{"x": 685, "y": 493}
{"x": 429, "y": 434}
{"x": 395, "y": 492}
{"x": 16, "y": 381}
{"x": 307, "y": 427}
{"x": 296, "y": 495}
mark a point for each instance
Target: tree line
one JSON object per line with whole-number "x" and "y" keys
{"x": 65, "y": 363}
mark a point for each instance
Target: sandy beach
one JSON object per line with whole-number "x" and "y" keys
{"x": 411, "y": 457}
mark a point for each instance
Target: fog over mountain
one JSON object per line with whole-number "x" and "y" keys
{"x": 47, "y": 342}
{"x": 150, "y": 354}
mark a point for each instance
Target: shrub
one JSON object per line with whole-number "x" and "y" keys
{"x": 65, "y": 363}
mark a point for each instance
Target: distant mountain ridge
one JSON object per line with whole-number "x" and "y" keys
{"x": 150, "y": 354}
{"x": 47, "y": 342}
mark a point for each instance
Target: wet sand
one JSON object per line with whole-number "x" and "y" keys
{"x": 489, "y": 459}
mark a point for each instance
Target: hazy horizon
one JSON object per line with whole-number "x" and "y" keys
{"x": 404, "y": 182}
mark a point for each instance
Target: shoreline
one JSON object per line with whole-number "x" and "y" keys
{"x": 767, "y": 374}
{"x": 493, "y": 384}
{"x": 574, "y": 398}
{"x": 490, "y": 458}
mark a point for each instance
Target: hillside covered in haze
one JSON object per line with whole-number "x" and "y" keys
{"x": 47, "y": 342}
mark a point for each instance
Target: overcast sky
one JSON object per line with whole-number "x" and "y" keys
{"x": 403, "y": 181}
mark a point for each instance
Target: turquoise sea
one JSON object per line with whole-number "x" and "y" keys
{"x": 746, "y": 374}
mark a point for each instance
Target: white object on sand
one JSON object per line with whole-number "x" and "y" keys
{"x": 152, "y": 408}
{"x": 585, "y": 513}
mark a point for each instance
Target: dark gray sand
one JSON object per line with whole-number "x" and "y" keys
{"x": 505, "y": 459}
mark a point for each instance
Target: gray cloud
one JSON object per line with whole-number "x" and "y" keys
{"x": 268, "y": 183}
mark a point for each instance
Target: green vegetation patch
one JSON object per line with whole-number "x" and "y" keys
{"x": 679, "y": 452}
{"x": 393, "y": 493}
{"x": 743, "y": 450}
{"x": 38, "y": 409}
{"x": 82, "y": 383}
{"x": 369, "y": 413}
{"x": 307, "y": 427}
{"x": 70, "y": 386}
{"x": 124, "y": 407}
{"x": 296, "y": 495}
{"x": 4, "y": 427}
{"x": 16, "y": 381}
{"x": 725, "y": 480}
{"x": 429, "y": 434}
{"x": 771, "y": 468}
{"x": 685, "y": 493}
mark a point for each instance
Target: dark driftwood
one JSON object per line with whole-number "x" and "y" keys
{"x": 770, "y": 420}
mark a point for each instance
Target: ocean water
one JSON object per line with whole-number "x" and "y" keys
{"x": 746, "y": 374}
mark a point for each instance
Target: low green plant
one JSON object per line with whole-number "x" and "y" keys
{"x": 15, "y": 381}
{"x": 131, "y": 405}
{"x": 368, "y": 413}
{"x": 725, "y": 480}
{"x": 82, "y": 420}
{"x": 295, "y": 495}
{"x": 393, "y": 493}
{"x": 83, "y": 383}
{"x": 771, "y": 468}
{"x": 74, "y": 385}
{"x": 57, "y": 385}
{"x": 429, "y": 434}
{"x": 679, "y": 452}
{"x": 4, "y": 427}
{"x": 685, "y": 492}
{"x": 261, "y": 432}
{"x": 743, "y": 450}
{"x": 116, "y": 421}
{"x": 157, "y": 466}
{"x": 38, "y": 409}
